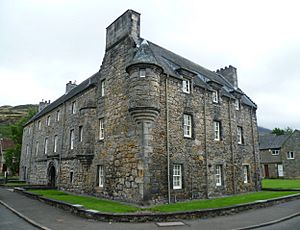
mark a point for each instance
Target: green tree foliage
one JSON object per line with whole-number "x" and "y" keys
{"x": 12, "y": 156}
{"x": 279, "y": 131}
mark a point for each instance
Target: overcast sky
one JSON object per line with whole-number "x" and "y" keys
{"x": 46, "y": 43}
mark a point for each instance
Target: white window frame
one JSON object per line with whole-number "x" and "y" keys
{"x": 217, "y": 130}
{"x": 39, "y": 125}
{"x": 46, "y": 146}
{"x": 103, "y": 82}
{"x": 73, "y": 107}
{"x": 215, "y": 96}
{"x": 219, "y": 175}
{"x": 177, "y": 176}
{"x": 275, "y": 152}
{"x": 187, "y": 125}
{"x": 186, "y": 86}
{"x": 240, "y": 135}
{"x": 80, "y": 133}
{"x": 142, "y": 72}
{"x": 237, "y": 104}
{"x": 290, "y": 155}
{"x": 55, "y": 143}
{"x": 72, "y": 139}
{"x": 246, "y": 174}
{"x": 37, "y": 148}
{"x": 101, "y": 128}
{"x": 48, "y": 120}
{"x": 71, "y": 177}
{"x": 27, "y": 149}
{"x": 100, "y": 172}
{"x": 58, "y": 115}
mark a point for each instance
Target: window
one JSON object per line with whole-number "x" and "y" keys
{"x": 72, "y": 139}
{"x": 240, "y": 135}
{"x": 39, "y": 125}
{"x": 29, "y": 130}
{"x": 187, "y": 125}
{"x": 186, "y": 86}
{"x": 103, "y": 88}
{"x": 142, "y": 72}
{"x": 219, "y": 175}
{"x": 27, "y": 149}
{"x": 290, "y": 155}
{"x": 73, "y": 107}
{"x": 101, "y": 129}
{"x": 37, "y": 148}
{"x": 46, "y": 146}
{"x": 48, "y": 120}
{"x": 71, "y": 177}
{"x": 80, "y": 133}
{"x": 215, "y": 96}
{"x": 100, "y": 176}
{"x": 246, "y": 174}
{"x": 275, "y": 152}
{"x": 237, "y": 104}
{"x": 57, "y": 115}
{"x": 217, "y": 133}
{"x": 177, "y": 176}
{"x": 55, "y": 143}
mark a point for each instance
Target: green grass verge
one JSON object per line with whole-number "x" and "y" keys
{"x": 219, "y": 202}
{"x": 281, "y": 183}
{"x": 15, "y": 184}
{"x": 88, "y": 202}
{"x": 116, "y": 207}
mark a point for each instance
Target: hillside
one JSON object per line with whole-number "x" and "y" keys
{"x": 12, "y": 114}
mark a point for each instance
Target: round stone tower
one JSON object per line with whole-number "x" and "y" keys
{"x": 144, "y": 95}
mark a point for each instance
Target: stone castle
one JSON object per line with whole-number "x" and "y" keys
{"x": 150, "y": 126}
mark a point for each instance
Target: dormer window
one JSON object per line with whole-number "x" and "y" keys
{"x": 186, "y": 86}
{"x": 215, "y": 96}
{"x": 142, "y": 72}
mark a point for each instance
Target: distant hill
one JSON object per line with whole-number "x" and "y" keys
{"x": 262, "y": 130}
{"x": 11, "y": 114}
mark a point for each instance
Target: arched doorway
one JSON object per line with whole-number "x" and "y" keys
{"x": 51, "y": 176}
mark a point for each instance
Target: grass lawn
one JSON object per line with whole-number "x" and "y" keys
{"x": 112, "y": 206}
{"x": 281, "y": 184}
{"x": 219, "y": 202}
{"x": 87, "y": 202}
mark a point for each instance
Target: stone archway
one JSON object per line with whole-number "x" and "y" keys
{"x": 51, "y": 175}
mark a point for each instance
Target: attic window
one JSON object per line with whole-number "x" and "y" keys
{"x": 142, "y": 72}
{"x": 215, "y": 96}
{"x": 186, "y": 86}
{"x": 275, "y": 152}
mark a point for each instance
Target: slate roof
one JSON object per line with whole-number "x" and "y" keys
{"x": 86, "y": 84}
{"x": 272, "y": 141}
{"x": 172, "y": 62}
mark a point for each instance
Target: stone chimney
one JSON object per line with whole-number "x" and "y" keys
{"x": 229, "y": 73}
{"x": 43, "y": 104}
{"x": 70, "y": 86}
{"x": 128, "y": 24}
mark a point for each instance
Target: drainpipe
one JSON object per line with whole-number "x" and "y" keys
{"x": 167, "y": 138}
{"x": 253, "y": 146}
{"x": 205, "y": 145}
{"x": 231, "y": 148}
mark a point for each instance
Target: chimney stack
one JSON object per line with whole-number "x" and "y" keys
{"x": 128, "y": 24}
{"x": 43, "y": 104}
{"x": 70, "y": 86}
{"x": 229, "y": 73}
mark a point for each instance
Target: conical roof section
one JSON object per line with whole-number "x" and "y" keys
{"x": 144, "y": 55}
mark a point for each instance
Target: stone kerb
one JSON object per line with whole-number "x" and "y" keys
{"x": 145, "y": 216}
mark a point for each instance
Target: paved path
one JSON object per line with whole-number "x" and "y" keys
{"x": 54, "y": 218}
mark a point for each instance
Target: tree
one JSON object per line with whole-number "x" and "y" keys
{"x": 12, "y": 156}
{"x": 278, "y": 131}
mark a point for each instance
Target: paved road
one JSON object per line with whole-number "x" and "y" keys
{"x": 10, "y": 221}
{"x": 292, "y": 224}
{"x": 55, "y": 218}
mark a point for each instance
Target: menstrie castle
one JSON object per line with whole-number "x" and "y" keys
{"x": 150, "y": 126}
